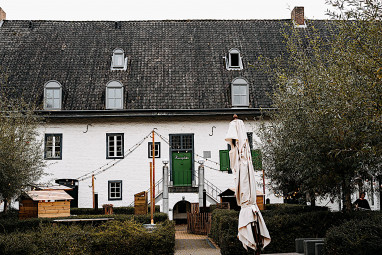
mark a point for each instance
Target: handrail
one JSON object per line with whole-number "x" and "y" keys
{"x": 212, "y": 190}
{"x": 158, "y": 191}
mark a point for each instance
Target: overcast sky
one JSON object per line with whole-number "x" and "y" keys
{"x": 158, "y": 9}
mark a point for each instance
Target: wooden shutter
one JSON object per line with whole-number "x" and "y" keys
{"x": 224, "y": 160}
{"x": 256, "y": 160}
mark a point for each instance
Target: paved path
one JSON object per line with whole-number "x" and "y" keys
{"x": 187, "y": 244}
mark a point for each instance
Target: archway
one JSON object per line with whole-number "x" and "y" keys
{"x": 180, "y": 211}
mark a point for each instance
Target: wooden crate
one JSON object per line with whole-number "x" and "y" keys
{"x": 140, "y": 203}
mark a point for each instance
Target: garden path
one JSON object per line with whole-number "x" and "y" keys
{"x": 187, "y": 244}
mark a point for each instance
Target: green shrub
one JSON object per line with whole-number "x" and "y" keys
{"x": 216, "y": 226}
{"x": 291, "y": 209}
{"x": 113, "y": 237}
{"x": 362, "y": 237}
{"x": 283, "y": 227}
{"x": 12, "y": 224}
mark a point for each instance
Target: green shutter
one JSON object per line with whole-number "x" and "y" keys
{"x": 224, "y": 160}
{"x": 256, "y": 160}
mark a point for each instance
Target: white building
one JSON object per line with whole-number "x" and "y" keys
{"x": 104, "y": 86}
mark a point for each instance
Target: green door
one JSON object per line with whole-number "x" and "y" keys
{"x": 182, "y": 168}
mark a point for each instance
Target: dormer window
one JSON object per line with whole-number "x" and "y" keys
{"x": 240, "y": 93}
{"x": 114, "y": 95}
{"x": 52, "y": 95}
{"x": 234, "y": 61}
{"x": 118, "y": 61}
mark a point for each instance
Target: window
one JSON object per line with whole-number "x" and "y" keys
{"x": 240, "y": 94}
{"x": 157, "y": 149}
{"x": 52, "y": 95}
{"x": 114, "y": 144}
{"x": 118, "y": 61}
{"x": 53, "y": 146}
{"x": 114, "y": 95}
{"x": 115, "y": 190}
{"x": 234, "y": 62}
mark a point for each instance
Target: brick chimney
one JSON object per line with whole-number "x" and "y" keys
{"x": 2, "y": 14}
{"x": 298, "y": 15}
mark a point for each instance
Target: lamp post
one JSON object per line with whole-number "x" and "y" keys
{"x": 165, "y": 185}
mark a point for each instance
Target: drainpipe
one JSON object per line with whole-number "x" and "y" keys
{"x": 201, "y": 182}
{"x": 165, "y": 186}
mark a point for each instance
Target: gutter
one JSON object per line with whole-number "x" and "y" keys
{"x": 152, "y": 112}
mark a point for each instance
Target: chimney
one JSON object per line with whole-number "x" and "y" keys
{"x": 298, "y": 15}
{"x": 2, "y": 14}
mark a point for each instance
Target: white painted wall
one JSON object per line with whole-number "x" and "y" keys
{"x": 85, "y": 152}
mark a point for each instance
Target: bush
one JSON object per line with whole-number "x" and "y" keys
{"x": 12, "y": 224}
{"x": 291, "y": 209}
{"x": 363, "y": 237}
{"x": 216, "y": 226}
{"x": 113, "y": 237}
{"x": 117, "y": 210}
{"x": 284, "y": 227}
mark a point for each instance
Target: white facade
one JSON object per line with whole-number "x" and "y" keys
{"x": 84, "y": 151}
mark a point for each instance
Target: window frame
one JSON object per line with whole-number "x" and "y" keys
{"x": 229, "y": 60}
{"x": 53, "y": 86}
{"x": 122, "y": 146}
{"x": 110, "y": 198}
{"x": 239, "y": 82}
{"x": 54, "y": 135}
{"x": 118, "y": 53}
{"x": 150, "y": 146}
{"x": 113, "y": 85}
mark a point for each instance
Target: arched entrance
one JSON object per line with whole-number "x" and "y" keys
{"x": 180, "y": 211}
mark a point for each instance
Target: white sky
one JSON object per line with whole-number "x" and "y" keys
{"x": 158, "y": 9}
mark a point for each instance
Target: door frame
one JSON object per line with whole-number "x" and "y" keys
{"x": 182, "y": 150}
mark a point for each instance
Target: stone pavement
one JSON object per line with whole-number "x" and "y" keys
{"x": 187, "y": 244}
{"x": 190, "y": 244}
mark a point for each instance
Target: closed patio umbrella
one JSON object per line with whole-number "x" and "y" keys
{"x": 252, "y": 231}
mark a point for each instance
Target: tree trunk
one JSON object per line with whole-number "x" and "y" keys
{"x": 346, "y": 195}
{"x": 5, "y": 205}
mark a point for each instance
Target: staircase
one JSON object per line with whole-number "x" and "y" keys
{"x": 212, "y": 191}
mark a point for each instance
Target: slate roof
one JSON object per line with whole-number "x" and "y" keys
{"x": 171, "y": 64}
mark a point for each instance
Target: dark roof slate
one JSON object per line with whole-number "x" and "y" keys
{"x": 171, "y": 64}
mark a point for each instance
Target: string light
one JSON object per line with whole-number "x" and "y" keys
{"x": 168, "y": 143}
{"x": 107, "y": 166}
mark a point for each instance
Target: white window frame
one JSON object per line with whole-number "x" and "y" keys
{"x": 157, "y": 149}
{"x": 53, "y": 86}
{"x": 112, "y": 86}
{"x": 240, "y": 82}
{"x": 116, "y": 185}
{"x": 53, "y": 147}
{"x": 112, "y": 152}
{"x": 118, "y": 54}
{"x": 229, "y": 60}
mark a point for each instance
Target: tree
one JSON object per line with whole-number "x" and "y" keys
{"x": 21, "y": 158}
{"x": 328, "y": 94}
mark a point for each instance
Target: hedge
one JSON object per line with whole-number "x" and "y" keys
{"x": 113, "y": 237}
{"x": 12, "y": 223}
{"x": 117, "y": 210}
{"x": 362, "y": 237}
{"x": 284, "y": 228}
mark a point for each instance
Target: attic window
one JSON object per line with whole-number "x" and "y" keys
{"x": 118, "y": 61}
{"x": 234, "y": 61}
{"x": 240, "y": 93}
{"x": 114, "y": 95}
{"x": 52, "y": 95}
